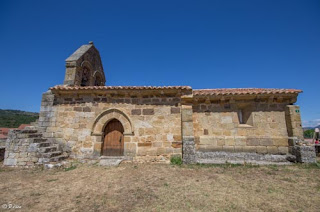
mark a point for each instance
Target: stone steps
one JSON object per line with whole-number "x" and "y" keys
{"x": 45, "y": 144}
{"x": 51, "y": 154}
{"x": 42, "y": 150}
{"x": 58, "y": 158}
{"x": 48, "y": 149}
{"x": 39, "y": 140}
{"x": 29, "y": 135}
{"x": 29, "y": 131}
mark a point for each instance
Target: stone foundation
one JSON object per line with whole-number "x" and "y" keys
{"x": 242, "y": 158}
{"x": 305, "y": 154}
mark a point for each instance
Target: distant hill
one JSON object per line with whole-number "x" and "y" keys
{"x": 14, "y": 118}
{"x": 307, "y": 128}
{"x": 310, "y": 128}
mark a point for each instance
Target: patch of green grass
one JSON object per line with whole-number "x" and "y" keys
{"x": 52, "y": 180}
{"x": 176, "y": 160}
{"x": 309, "y": 165}
{"x": 6, "y": 169}
{"x": 274, "y": 167}
{"x": 72, "y": 167}
{"x": 271, "y": 190}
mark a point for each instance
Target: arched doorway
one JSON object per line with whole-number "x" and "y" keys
{"x": 113, "y": 142}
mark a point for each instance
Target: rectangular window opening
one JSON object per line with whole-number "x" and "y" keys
{"x": 245, "y": 117}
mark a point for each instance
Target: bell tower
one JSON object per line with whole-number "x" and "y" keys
{"x": 84, "y": 67}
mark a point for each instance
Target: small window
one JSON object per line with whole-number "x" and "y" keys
{"x": 240, "y": 115}
{"x": 245, "y": 116}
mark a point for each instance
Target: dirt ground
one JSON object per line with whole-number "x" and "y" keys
{"x": 162, "y": 187}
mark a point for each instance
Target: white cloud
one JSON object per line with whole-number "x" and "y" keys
{"x": 311, "y": 123}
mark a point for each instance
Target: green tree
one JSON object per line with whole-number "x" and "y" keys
{"x": 308, "y": 133}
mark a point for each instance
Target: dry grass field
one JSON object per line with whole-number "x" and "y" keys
{"x": 160, "y": 187}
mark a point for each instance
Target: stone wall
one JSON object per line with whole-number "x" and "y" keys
{"x": 20, "y": 150}
{"x": 2, "y": 148}
{"x": 152, "y": 122}
{"x": 85, "y": 62}
{"x": 305, "y": 154}
{"x": 293, "y": 119}
{"x": 3, "y": 142}
{"x": 217, "y": 127}
{"x": 158, "y": 123}
{"x": 28, "y": 147}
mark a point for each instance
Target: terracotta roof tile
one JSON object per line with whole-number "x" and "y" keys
{"x": 5, "y": 130}
{"x": 3, "y": 136}
{"x": 63, "y": 87}
{"x": 243, "y": 91}
{"x": 22, "y": 126}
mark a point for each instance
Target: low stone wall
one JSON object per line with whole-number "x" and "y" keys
{"x": 305, "y": 154}
{"x": 19, "y": 149}
{"x": 2, "y": 148}
{"x": 3, "y": 142}
{"x": 27, "y": 148}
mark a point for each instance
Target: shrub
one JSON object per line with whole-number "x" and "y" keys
{"x": 176, "y": 160}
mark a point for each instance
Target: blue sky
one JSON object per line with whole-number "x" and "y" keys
{"x": 204, "y": 44}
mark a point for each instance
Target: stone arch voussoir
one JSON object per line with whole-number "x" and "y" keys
{"x": 103, "y": 119}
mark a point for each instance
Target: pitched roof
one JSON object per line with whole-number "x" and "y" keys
{"x": 79, "y": 52}
{"x": 243, "y": 91}
{"x": 62, "y": 87}
{"x": 5, "y": 130}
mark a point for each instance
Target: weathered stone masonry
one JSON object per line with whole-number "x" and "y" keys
{"x": 151, "y": 118}
{"x": 204, "y": 126}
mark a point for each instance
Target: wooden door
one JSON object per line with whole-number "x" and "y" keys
{"x": 113, "y": 139}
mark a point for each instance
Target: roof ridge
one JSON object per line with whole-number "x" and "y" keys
{"x": 244, "y": 91}
{"x": 64, "y": 87}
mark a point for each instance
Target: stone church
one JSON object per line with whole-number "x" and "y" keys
{"x": 85, "y": 119}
